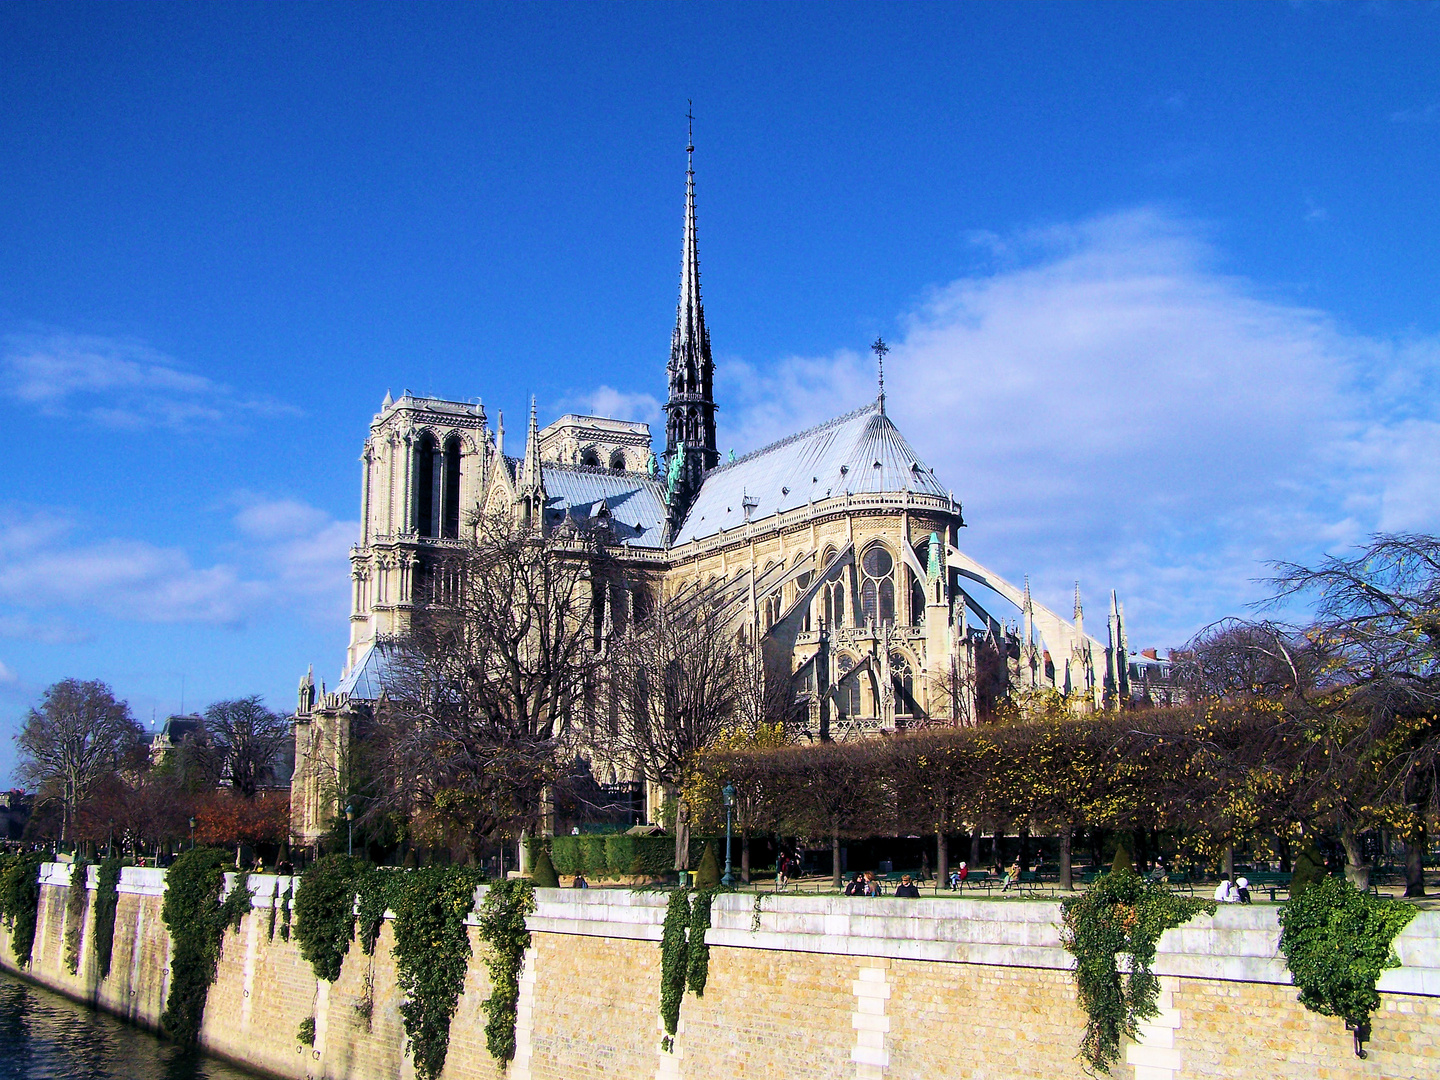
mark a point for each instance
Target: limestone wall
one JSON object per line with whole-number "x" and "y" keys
{"x": 817, "y": 987}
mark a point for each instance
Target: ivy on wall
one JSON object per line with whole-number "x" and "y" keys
{"x": 274, "y": 909}
{"x": 372, "y": 901}
{"x": 196, "y": 920}
{"x": 325, "y": 913}
{"x": 285, "y": 911}
{"x": 76, "y": 897}
{"x": 697, "y": 968}
{"x": 502, "y": 927}
{"x": 20, "y": 901}
{"x": 1337, "y": 941}
{"x": 107, "y": 901}
{"x": 432, "y": 954}
{"x": 674, "y": 961}
{"x": 1120, "y": 913}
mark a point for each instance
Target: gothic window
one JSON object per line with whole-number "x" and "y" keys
{"x": 917, "y": 599}
{"x": 428, "y": 466}
{"x": 903, "y": 680}
{"x": 847, "y": 698}
{"x": 772, "y": 610}
{"x": 640, "y": 603}
{"x": 450, "y": 490}
{"x": 802, "y": 582}
{"x": 877, "y": 585}
{"x": 590, "y": 457}
{"x": 832, "y": 604}
{"x": 617, "y": 460}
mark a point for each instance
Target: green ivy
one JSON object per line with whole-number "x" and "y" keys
{"x": 197, "y": 920}
{"x": 674, "y": 960}
{"x": 75, "y": 900}
{"x": 502, "y": 927}
{"x": 1120, "y": 913}
{"x": 274, "y": 908}
{"x": 1337, "y": 940}
{"x": 697, "y": 968}
{"x": 432, "y": 953}
{"x": 374, "y": 899}
{"x": 285, "y": 911}
{"x": 107, "y": 900}
{"x": 239, "y": 903}
{"x": 20, "y": 902}
{"x": 325, "y": 913}
{"x": 305, "y": 1035}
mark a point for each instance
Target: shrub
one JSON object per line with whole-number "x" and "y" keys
{"x": 620, "y": 854}
{"x": 1337, "y": 940}
{"x": 1120, "y": 913}
{"x": 305, "y": 1034}
{"x": 708, "y": 874}
{"x": 565, "y": 854}
{"x": 325, "y": 913}
{"x": 592, "y": 855}
{"x": 1122, "y": 863}
{"x": 543, "y": 875}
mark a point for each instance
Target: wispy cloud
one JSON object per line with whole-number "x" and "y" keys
{"x": 616, "y": 404}
{"x": 44, "y": 631}
{"x": 1427, "y": 114}
{"x": 120, "y": 383}
{"x": 1114, "y": 408}
{"x": 286, "y": 556}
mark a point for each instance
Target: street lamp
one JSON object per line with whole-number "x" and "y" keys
{"x": 350, "y": 828}
{"x": 729, "y": 795}
{"x": 192, "y": 834}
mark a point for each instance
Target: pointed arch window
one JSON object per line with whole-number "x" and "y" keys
{"x": 877, "y": 585}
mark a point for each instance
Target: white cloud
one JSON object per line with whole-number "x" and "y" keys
{"x": 1427, "y": 114}
{"x": 1111, "y": 407}
{"x": 7, "y": 676}
{"x": 46, "y": 631}
{"x": 119, "y": 383}
{"x": 289, "y": 555}
{"x": 617, "y": 405}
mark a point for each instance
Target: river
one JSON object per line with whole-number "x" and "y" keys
{"x": 47, "y": 1037}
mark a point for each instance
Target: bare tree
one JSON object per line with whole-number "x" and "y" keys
{"x": 678, "y": 679}
{"x": 243, "y": 743}
{"x": 79, "y": 735}
{"x": 1236, "y": 658}
{"x": 481, "y": 690}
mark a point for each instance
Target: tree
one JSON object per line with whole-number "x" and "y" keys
{"x": 678, "y": 682}
{"x": 1377, "y": 613}
{"x": 481, "y": 690}
{"x": 244, "y": 742}
{"x": 79, "y": 735}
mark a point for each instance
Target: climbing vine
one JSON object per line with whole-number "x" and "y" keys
{"x": 432, "y": 953}
{"x": 107, "y": 900}
{"x": 1337, "y": 940}
{"x": 674, "y": 960}
{"x": 285, "y": 911}
{"x": 20, "y": 902}
{"x": 196, "y": 920}
{"x": 238, "y": 904}
{"x": 502, "y": 927}
{"x": 325, "y": 913}
{"x": 373, "y": 899}
{"x": 305, "y": 1034}
{"x": 274, "y": 908}
{"x": 75, "y": 899}
{"x": 1120, "y": 913}
{"x": 697, "y": 968}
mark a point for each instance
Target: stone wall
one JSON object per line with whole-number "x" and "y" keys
{"x": 819, "y": 987}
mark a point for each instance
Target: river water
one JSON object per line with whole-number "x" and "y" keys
{"x": 47, "y": 1037}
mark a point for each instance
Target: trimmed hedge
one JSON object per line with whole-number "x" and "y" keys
{"x": 614, "y": 855}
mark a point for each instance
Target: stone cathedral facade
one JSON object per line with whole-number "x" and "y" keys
{"x": 837, "y": 547}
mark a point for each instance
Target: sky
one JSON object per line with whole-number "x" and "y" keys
{"x": 1159, "y": 281}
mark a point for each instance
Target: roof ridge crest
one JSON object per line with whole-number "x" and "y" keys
{"x": 832, "y": 422}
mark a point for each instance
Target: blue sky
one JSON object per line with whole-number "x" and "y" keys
{"x": 1160, "y": 279}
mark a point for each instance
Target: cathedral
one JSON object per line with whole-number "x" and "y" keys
{"x": 837, "y": 549}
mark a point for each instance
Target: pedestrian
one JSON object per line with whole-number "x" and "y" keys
{"x": 1012, "y": 876}
{"x": 907, "y": 888}
{"x": 855, "y": 886}
{"x": 580, "y": 882}
{"x": 1242, "y": 891}
{"x": 873, "y": 887}
{"x": 1225, "y": 892}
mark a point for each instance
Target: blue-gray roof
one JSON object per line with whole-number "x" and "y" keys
{"x": 635, "y": 501}
{"x": 368, "y": 676}
{"x": 860, "y": 453}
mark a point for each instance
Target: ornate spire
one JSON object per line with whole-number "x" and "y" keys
{"x": 690, "y": 409}
{"x": 530, "y": 470}
{"x": 880, "y": 349}
{"x": 1079, "y": 612}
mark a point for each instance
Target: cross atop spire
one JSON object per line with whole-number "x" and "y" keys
{"x": 880, "y": 349}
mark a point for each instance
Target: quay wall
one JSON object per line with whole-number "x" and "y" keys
{"x": 800, "y": 986}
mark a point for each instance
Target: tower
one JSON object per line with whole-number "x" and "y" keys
{"x": 690, "y": 407}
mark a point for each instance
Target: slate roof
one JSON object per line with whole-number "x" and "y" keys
{"x": 367, "y": 677}
{"x": 636, "y": 502}
{"x": 860, "y": 453}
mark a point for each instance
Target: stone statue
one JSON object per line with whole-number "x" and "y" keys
{"x": 682, "y": 836}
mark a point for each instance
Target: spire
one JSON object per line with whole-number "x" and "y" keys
{"x": 690, "y": 408}
{"x": 530, "y": 470}
{"x": 1079, "y": 613}
{"x": 880, "y": 349}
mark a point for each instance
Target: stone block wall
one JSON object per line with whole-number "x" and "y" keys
{"x": 805, "y": 987}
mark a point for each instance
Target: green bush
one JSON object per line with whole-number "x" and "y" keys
{"x": 1120, "y": 913}
{"x": 1337, "y": 940}
{"x": 620, "y": 854}
{"x": 325, "y": 913}
{"x": 1122, "y": 863}
{"x": 543, "y": 874}
{"x": 565, "y": 854}
{"x": 20, "y": 902}
{"x": 707, "y": 876}
{"x": 107, "y": 900}
{"x": 592, "y": 856}
{"x": 305, "y": 1035}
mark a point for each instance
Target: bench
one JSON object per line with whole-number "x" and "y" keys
{"x": 1270, "y": 881}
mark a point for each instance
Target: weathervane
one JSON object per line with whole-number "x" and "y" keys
{"x": 880, "y": 349}
{"x": 690, "y": 116}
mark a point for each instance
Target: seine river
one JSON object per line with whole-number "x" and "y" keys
{"x": 46, "y": 1037}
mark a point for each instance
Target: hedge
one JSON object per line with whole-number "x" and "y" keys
{"x": 597, "y": 855}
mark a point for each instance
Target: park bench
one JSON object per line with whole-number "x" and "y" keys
{"x": 1269, "y": 881}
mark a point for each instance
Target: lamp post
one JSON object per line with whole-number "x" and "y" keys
{"x": 350, "y": 829}
{"x": 729, "y": 795}
{"x": 192, "y": 834}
